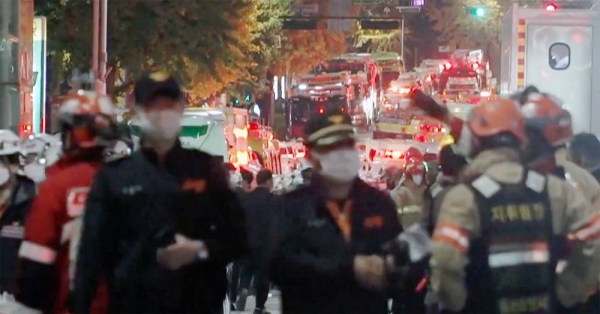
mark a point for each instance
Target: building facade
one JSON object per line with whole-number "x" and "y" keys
{"x": 16, "y": 74}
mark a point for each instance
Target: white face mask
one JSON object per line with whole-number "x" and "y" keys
{"x": 417, "y": 179}
{"x": 35, "y": 172}
{"x": 339, "y": 165}
{"x": 160, "y": 125}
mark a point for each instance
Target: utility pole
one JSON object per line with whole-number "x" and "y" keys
{"x": 99, "y": 49}
{"x": 402, "y": 39}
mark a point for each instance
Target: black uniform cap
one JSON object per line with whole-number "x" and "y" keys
{"x": 328, "y": 129}
{"x": 156, "y": 84}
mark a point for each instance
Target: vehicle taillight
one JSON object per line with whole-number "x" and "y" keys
{"x": 392, "y": 154}
{"x": 420, "y": 138}
{"x": 405, "y": 90}
{"x": 475, "y": 66}
{"x": 26, "y": 128}
{"x": 254, "y": 126}
{"x": 447, "y": 66}
{"x": 321, "y": 110}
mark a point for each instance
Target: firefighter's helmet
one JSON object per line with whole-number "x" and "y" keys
{"x": 497, "y": 117}
{"x": 544, "y": 113}
{"x": 87, "y": 120}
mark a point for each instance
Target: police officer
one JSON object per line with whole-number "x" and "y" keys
{"x": 162, "y": 224}
{"x": 494, "y": 243}
{"x": 330, "y": 259}
{"x": 16, "y": 195}
{"x": 14, "y": 207}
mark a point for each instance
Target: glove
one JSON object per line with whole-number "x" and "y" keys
{"x": 369, "y": 272}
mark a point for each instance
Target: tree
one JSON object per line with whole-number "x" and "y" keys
{"x": 458, "y": 28}
{"x": 205, "y": 44}
{"x": 301, "y": 51}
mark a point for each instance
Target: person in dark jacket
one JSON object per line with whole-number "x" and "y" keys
{"x": 584, "y": 150}
{"x": 258, "y": 206}
{"x": 16, "y": 196}
{"x": 162, "y": 224}
{"x": 330, "y": 258}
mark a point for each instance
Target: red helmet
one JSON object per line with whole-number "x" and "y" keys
{"x": 87, "y": 120}
{"x": 414, "y": 161}
{"x": 545, "y": 113}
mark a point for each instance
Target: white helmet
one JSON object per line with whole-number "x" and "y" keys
{"x": 10, "y": 143}
{"x": 47, "y": 148}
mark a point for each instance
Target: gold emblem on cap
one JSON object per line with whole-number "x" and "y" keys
{"x": 160, "y": 76}
{"x": 336, "y": 119}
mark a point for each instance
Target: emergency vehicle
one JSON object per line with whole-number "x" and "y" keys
{"x": 394, "y": 123}
{"x": 389, "y": 152}
{"x": 465, "y": 85}
{"x": 357, "y": 63}
{"x": 465, "y": 64}
{"x": 390, "y": 65}
{"x": 317, "y": 94}
{"x": 201, "y": 129}
{"x": 556, "y": 51}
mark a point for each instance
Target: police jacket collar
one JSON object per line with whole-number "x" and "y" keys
{"x": 317, "y": 185}
{"x": 171, "y": 157}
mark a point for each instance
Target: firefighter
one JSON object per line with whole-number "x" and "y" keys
{"x": 451, "y": 165}
{"x": 494, "y": 244}
{"x": 161, "y": 224}
{"x": 408, "y": 193}
{"x": 53, "y": 228}
{"x": 549, "y": 127}
{"x": 330, "y": 260}
{"x": 546, "y": 116}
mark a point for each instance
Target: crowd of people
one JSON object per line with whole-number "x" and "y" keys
{"x": 510, "y": 224}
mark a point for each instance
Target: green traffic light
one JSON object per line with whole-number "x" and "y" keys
{"x": 480, "y": 12}
{"x": 248, "y": 98}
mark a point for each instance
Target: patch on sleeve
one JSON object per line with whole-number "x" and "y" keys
{"x": 76, "y": 199}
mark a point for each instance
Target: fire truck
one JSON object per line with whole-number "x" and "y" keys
{"x": 466, "y": 63}
{"x": 366, "y": 80}
{"x": 316, "y": 94}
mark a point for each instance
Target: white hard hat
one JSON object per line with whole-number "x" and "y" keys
{"x": 4, "y": 175}
{"x": 10, "y": 143}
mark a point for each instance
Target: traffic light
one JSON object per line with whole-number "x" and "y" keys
{"x": 235, "y": 101}
{"x": 550, "y": 6}
{"x": 248, "y": 97}
{"x": 381, "y": 25}
{"x": 477, "y": 11}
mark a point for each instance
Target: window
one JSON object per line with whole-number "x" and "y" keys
{"x": 559, "y": 56}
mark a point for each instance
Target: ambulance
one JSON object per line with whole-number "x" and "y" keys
{"x": 556, "y": 50}
{"x": 201, "y": 129}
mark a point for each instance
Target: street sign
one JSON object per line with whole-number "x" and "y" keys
{"x": 340, "y": 8}
{"x": 394, "y": 10}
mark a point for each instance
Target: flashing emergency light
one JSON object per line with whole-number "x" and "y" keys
{"x": 447, "y": 66}
{"x": 550, "y": 7}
